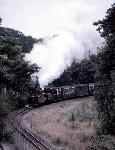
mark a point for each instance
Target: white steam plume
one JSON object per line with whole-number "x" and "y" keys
{"x": 72, "y": 23}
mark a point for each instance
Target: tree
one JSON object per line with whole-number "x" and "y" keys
{"x": 87, "y": 70}
{"x": 78, "y": 72}
{"x": 0, "y": 20}
{"x": 15, "y": 71}
{"x": 105, "y": 70}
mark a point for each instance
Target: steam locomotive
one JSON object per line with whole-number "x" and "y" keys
{"x": 55, "y": 94}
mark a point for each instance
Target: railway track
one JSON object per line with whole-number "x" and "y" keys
{"x": 15, "y": 119}
{"x": 36, "y": 141}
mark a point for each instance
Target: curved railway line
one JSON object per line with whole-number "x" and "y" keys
{"x": 15, "y": 119}
{"x": 36, "y": 141}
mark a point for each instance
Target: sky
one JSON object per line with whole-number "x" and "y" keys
{"x": 65, "y": 25}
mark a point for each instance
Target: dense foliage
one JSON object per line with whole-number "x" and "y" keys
{"x": 78, "y": 72}
{"x": 105, "y": 76}
{"x": 15, "y": 71}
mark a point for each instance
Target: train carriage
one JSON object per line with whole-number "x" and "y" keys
{"x": 55, "y": 94}
{"x": 68, "y": 92}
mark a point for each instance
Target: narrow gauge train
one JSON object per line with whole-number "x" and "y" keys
{"x": 55, "y": 94}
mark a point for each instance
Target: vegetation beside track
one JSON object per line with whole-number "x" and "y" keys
{"x": 65, "y": 124}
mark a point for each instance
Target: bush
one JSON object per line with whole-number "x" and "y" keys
{"x": 102, "y": 143}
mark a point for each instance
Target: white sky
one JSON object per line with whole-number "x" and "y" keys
{"x": 70, "y": 20}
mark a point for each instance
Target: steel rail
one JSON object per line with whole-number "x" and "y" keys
{"x": 36, "y": 141}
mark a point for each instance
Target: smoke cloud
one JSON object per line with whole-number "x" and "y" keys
{"x": 76, "y": 35}
{"x": 65, "y": 29}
